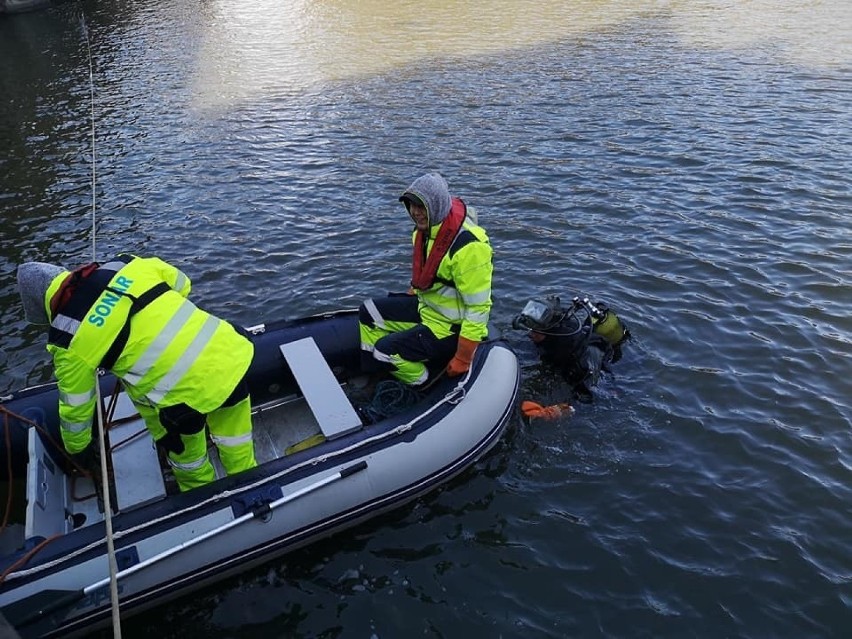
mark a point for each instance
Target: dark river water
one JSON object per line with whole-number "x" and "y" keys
{"x": 688, "y": 163}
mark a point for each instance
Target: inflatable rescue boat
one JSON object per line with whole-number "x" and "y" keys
{"x": 325, "y": 462}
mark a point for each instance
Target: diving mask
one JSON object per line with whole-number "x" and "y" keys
{"x": 539, "y": 315}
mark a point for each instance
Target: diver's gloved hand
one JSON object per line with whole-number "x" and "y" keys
{"x": 534, "y": 410}
{"x": 463, "y": 358}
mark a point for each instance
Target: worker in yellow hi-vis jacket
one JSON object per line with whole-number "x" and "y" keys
{"x": 181, "y": 366}
{"x": 445, "y": 315}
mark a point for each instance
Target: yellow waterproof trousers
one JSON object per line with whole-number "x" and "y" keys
{"x": 230, "y": 430}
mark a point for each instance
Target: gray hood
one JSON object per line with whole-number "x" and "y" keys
{"x": 34, "y": 279}
{"x": 432, "y": 190}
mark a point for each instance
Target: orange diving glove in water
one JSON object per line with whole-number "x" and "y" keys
{"x": 533, "y": 410}
{"x": 463, "y": 357}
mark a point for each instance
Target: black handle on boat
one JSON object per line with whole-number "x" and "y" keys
{"x": 31, "y": 609}
{"x": 354, "y": 468}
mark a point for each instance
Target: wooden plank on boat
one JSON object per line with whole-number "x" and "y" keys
{"x": 332, "y": 409}
{"x": 136, "y": 467}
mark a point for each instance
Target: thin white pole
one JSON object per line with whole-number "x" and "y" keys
{"x": 113, "y": 567}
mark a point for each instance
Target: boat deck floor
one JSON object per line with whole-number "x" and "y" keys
{"x": 277, "y": 429}
{"x": 281, "y": 428}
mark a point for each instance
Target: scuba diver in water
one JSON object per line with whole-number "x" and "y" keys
{"x": 579, "y": 341}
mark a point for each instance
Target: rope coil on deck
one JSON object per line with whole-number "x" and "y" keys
{"x": 391, "y": 397}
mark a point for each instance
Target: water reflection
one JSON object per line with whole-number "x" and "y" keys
{"x": 806, "y": 33}
{"x": 265, "y": 46}
{"x": 269, "y": 46}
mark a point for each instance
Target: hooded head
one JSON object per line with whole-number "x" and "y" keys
{"x": 34, "y": 278}
{"x": 430, "y": 191}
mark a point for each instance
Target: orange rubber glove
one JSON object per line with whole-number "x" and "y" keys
{"x": 463, "y": 357}
{"x": 533, "y": 410}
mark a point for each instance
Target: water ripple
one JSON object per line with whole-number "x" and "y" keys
{"x": 691, "y": 175}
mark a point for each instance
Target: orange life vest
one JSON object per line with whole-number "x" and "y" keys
{"x": 423, "y": 268}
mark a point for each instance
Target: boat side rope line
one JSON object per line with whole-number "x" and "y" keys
{"x": 29, "y": 555}
{"x": 395, "y": 432}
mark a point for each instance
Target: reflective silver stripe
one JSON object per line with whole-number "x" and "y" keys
{"x": 189, "y": 466}
{"x": 74, "y": 427}
{"x": 146, "y": 361}
{"x": 448, "y": 312}
{"x": 76, "y": 399}
{"x": 396, "y": 360}
{"x": 114, "y": 266}
{"x": 382, "y": 357}
{"x": 477, "y": 298}
{"x": 65, "y": 324}
{"x": 479, "y": 318}
{"x": 181, "y": 281}
{"x": 378, "y": 320}
{"x": 186, "y": 361}
{"x": 234, "y": 440}
{"x": 446, "y": 291}
{"x": 367, "y": 347}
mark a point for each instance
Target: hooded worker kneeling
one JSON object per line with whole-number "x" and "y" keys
{"x": 444, "y": 316}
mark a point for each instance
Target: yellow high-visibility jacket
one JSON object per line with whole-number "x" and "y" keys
{"x": 460, "y": 296}
{"x": 167, "y": 351}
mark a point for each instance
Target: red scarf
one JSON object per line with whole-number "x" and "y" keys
{"x": 423, "y": 268}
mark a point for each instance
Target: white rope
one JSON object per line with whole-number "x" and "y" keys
{"x": 113, "y": 567}
{"x": 92, "y": 94}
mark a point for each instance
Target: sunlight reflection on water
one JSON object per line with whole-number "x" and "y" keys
{"x": 269, "y": 46}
